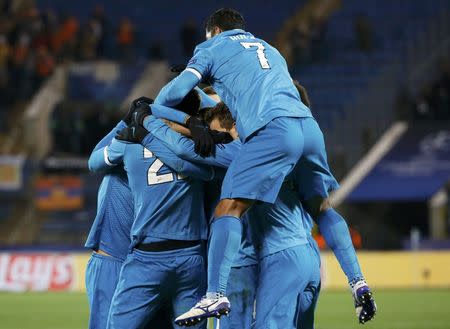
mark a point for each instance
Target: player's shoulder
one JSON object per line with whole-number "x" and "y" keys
{"x": 226, "y": 37}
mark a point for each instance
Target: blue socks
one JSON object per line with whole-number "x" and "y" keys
{"x": 337, "y": 236}
{"x": 224, "y": 243}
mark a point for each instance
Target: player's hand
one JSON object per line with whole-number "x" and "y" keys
{"x": 132, "y": 134}
{"x": 142, "y": 111}
{"x": 221, "y": 137}
{"x": 134, "y": 105}
{"x": 365, "y": 305}
{"x": 201, "y": 135}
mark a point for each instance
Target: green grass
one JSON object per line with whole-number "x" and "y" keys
{"x": 398, "y": 309}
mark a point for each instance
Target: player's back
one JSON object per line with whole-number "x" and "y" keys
{"x": 166, "y": 205}
{"x": 251, "y": 77}
{"x": 279, "y": 226}
{"x": 110, "y": 231}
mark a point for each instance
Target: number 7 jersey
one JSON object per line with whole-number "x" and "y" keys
{"x": 250, "y": 76}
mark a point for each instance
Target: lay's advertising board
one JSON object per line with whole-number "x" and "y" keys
{"x": 21, "y": 272}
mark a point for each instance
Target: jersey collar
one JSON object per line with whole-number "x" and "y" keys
{"x": 232, "y": 32}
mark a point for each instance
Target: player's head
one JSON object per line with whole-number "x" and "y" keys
{"x": 190, "y": 103}
{"x": 224, "y": 19}
{"x": 219, "y": 118}
{"x": 211, "y": 93}
{"x": 303, "y": 93}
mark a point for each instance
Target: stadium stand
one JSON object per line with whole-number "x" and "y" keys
{"x": 159, "y": 30}
{"x": 345, "y": 55}
{"x": 362, "y": 43}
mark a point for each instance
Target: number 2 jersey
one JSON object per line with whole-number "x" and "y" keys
{"x": 251, "y": 78}
{"x": 166, "y": 204}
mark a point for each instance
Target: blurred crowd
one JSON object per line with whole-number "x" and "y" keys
{"x": 433, "y": 101}
{"x": 32, "y": 42}
{"x": 77, "y": 128}
{"x": 307, "y": 40}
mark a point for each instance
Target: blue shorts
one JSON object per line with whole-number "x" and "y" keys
{"x": 150, "y": 281}
{"x": 312, "y": 172}
{"x": 288, "y": 286}
{"x": 102, "y": 275}
{"x": 241, "y": 291}
{"x": 264, "y": 160}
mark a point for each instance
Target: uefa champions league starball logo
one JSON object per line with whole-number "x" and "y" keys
{"x": 435, "y": 143}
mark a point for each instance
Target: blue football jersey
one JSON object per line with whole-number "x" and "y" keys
{"x": 250, "y": 76}
{"x": 167, "y": 205}
{"x": 110, "y": 230}
{"x": 279, "y": 226}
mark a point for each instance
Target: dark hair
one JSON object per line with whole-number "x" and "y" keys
{"x": 222, "y": 113}
{"x": 209, "y": 90}
{"x": 190, "y": 103}
{"x": 303, "y": 93}
{"x": 225, "y": 19}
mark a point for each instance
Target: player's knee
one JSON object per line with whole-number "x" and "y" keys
{"x": 317, "y": 205}
{"x": 232, "y": 207}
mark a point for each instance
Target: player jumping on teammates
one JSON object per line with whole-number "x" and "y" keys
{"x": 251, "y": 77}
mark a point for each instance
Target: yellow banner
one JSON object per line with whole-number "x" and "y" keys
{"x": 381, "y": 269}
{"x": 393, "y": 269}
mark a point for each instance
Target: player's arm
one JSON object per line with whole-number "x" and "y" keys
{"x": 197, "y": 69}
{"x": 185, "y": 148}
{"x": 173, "y": 92}
{"x": 108, "y": 138}
{"x": 108, "y": 156}
{"x": 197, "y": 171}
{"x": 168, "y": 113}
{"x": 205, "y": 99}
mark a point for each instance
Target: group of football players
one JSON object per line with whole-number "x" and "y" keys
{"x": 209, "y": 197}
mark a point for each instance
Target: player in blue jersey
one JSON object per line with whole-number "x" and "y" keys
{"x": 314, "y": 181}
{"x": 109, "y": 237}
{"x": 252, "y": 78}
{"x": 335, "y": 231}
{"x": 280, "y": 234}
{"x": 166, "y": 264}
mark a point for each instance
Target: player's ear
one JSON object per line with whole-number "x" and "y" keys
{"x": 213, "y": 32}
{"x": 217, "y": 30}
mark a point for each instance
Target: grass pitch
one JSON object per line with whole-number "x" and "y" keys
{"x": 398, "y": 309}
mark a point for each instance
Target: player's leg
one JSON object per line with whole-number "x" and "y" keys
{"x": 189, "y": 282}
{"x": 137, "y": 298}
{"x": 256, "y": 173}
{"x": 283, "y": 278}
{"x": 315, "y": 181}
{"x": 102, "y": 274}
{"x": 241, "y": 292}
